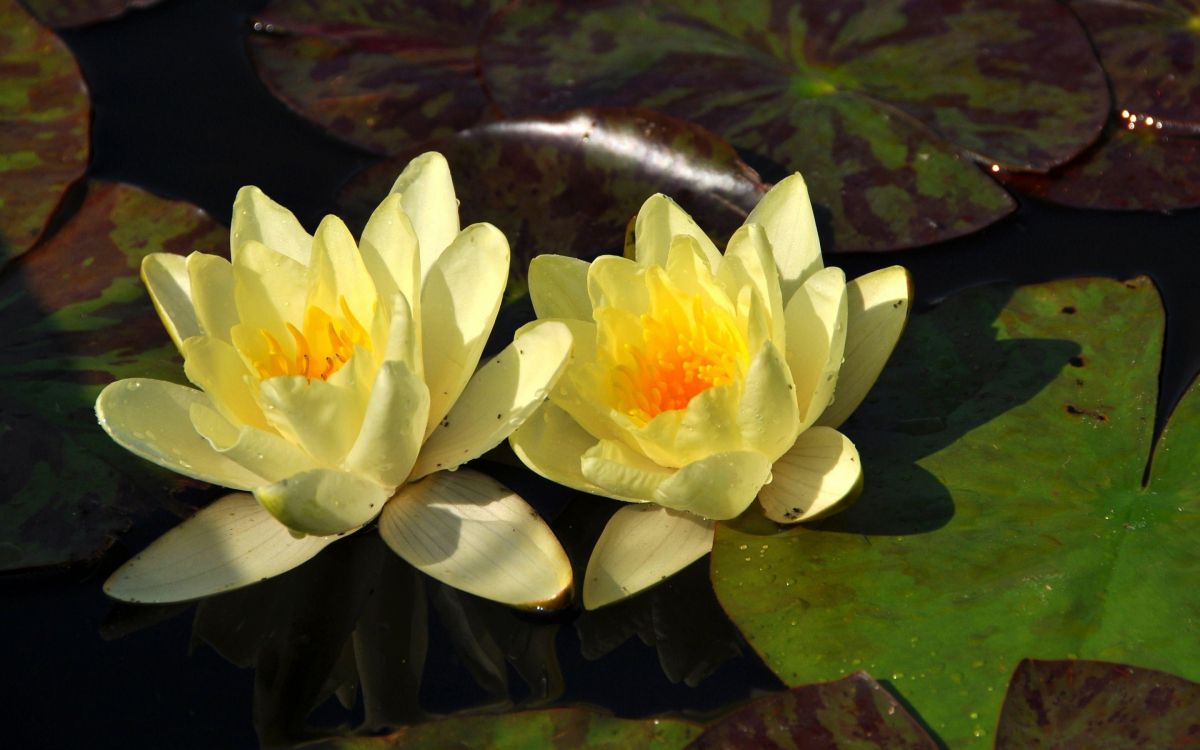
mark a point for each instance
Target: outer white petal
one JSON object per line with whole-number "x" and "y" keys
{"x": 816, "y": 318}
{"x": 264, "y": 453}
{"x": 500, "y": 396}
{"x": 640, "y": 546}
{"x": 469, "y": 531}
{"x": 786, "y": 214}
{"x": 877, "y": 306}
{"x": 459, "y": 303}
{"x": 323, "y": 501}
{"x": 768, "y": 416}
{"x": 427, "y": 195}
{"x": 552, "y": 444}
{"x": 622, "y": 473}
{"x": 257, "y": 218}
{"x": 720, "y": 486}
{"x": 558, "y": 287}
{"x": 817, "y": 477}
{"x": 165, "y": 276}
{"x": 390, "y": 438}
{"x": 658, "y": 221}
{"x": 213, "y": 294}
{"x": 150, "y": 419}
{"x": 231, "y": 543}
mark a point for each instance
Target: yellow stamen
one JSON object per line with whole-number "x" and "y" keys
{"x": 320, "y": 349}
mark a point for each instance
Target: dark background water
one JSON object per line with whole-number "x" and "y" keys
{"x": 179, "y": 110}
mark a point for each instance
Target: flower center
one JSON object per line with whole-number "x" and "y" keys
{"x": 688, "y": 345}
{"x": 325, "y": 344}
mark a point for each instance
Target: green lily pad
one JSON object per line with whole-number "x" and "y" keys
{"x": 550, "y": 728}
{"x": 1054, "y": 704}
{"x": 1149, "y": 157}
{"x": 1003, "y": 516}
{"x": 570, "y": 183}
{"x": 63, "y": 14}
{"x": 851, "y": 712}
{"x": 383, "y": 76}
{"x": 75, "y": 318}
{"x": 44, "y": 116}
{"x": 884, "y": 108}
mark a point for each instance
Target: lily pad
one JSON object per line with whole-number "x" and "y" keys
{"x": 380, "y": 75}
{"x": 550, "y": 728}
{"x": 1149, "y": 157}
{"x": 63, "y": 14}
{"x": 854, "y": 711}
{"x": 44, "y": 117}
{"x": 1004, "y": 514}
{"x": 883, "y": 107}
{"x": 570, "y": 183}
{"x": 75, "y": 318}
{"x": 1054, "y": 704}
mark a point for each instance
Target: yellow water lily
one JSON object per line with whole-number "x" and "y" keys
{"x": 700, "y": 381}
{"x": 336, "y": 381}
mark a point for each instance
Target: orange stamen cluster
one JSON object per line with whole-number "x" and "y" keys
{"x": 318, "y": 351}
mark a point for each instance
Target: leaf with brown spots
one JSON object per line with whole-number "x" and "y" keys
{"x": 62, "y": 14}
{"x": 44, "y": 117}
{"x": 75, "y": 318}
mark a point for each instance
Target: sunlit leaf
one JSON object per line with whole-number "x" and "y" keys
{"x": 1003, "y": 515}
{"x": 66, "y": 13}
{"x": 75, "y": 318}
{"x": 882, "y": 107}
{"x": 44, "y": 117}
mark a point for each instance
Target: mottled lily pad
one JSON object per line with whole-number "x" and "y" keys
{"x": 1055, "y": 704}
{"x": 851, "y": 712}
{"x": 884, "y": 107}
{"x": 44, "y": 116}
{"x": 1003, "y": 516}
{"x": 63, "y": 14}
{"x": 384, "y": 76}
{"x": 76, "y": 317}
{"x": 570, "y": 183}
{"x": 550, "y": 728}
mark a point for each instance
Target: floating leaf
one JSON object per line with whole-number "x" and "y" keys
{"x": 383, "y": 76}
{"x": 43, "y": 127}
{"x": 67, "y": 13}
{"x": 879, "y": 106}
{"x": 1054, "y": 704}
{"x": 570, "y": 183}
{"x": 551, "y": 728}
{"x": 1003, "y": 516}
{"x": 75, "y": 318}
{"x": 853, "y": 711}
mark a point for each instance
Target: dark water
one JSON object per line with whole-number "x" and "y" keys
{"x": 179, "y": 110}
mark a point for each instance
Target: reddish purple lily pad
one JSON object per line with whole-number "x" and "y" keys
{"x": 883, "y": 107}
{"x": 1061, "y": 704}
{"x": 62, "y": 14}
{"x": 75, "y": 318}
{"x": 570, "y": 183}
{"x": 379, "y": 75}
{"x": 1149, "y": 158}
{"x": 44, "y": 117}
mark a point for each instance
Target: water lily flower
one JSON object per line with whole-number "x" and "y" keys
{"x": 336, "y": 382}
{"x": 700, "y": 381}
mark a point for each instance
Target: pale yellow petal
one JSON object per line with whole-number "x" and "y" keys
{"x": 269, "y": 290}
{"x": 621, "y": 472}
{"x": 337, "y": 273}
{"x": 786, "y": 214}
{"x": 213, "y": 294}
{"x": 216, "y": 367}
{"x": 322, "y": 417}
{"x": 558, "y": 287}
{"x": 748, "y": 262}
{"x": 877, "y": 306}
{"x": 257, "y": 218}
{"x": 166, "y": 278}
{"x": 709, "y": 424}
{"x": 427, "y": 196}
{"x": 264, "y": 453}
{"x": 390, "y": 438}
{"x": 618, "y": 282}
{"x": 719, "y": 486}
{"x": 231, "y": 543}
{"x": 389, "y": 251}
{"x": 576, "y": 391}
{"x": 816, "y": 333}
{"x": 768, "y": 416}
{"x": 820, "y": 475}
{"x": 470, "y": 532}
{"x": 323, "y": 501}
{"x": 551, "y": 443}
{"x": 658, "y": 221}
{"x": 459, "y": 303}
{"x": 499, "y": 397}
{"x": 641, "y": 546}
{"x": 150, "y": 419}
